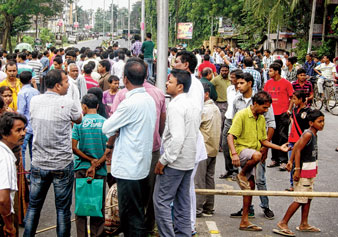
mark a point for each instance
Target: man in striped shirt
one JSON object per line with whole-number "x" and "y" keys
{"x": 37, "y": 67}
{"x": 90, "y": 82}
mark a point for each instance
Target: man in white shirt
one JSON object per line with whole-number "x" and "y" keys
{"x": 91, "y": 58}
{"x": 326, "y": 70}
{"x": 175, "y": 166}
{"x": 118, "y": 68}
{"x": 73, "y": 90}
{"x": 12, "y": 135}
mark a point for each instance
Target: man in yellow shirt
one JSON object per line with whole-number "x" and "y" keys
{"x": 12, "y": 82}
{"x": 245, "y": 139}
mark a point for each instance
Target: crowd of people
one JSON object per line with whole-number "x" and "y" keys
{"x": 95, "y": 113}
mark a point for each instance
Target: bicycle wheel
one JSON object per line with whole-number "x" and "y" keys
{"x": 331, "y": 103}
{"x": 317, "y": 102}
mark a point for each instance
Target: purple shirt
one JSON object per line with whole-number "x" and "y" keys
{"x": 159, "y": 99}
{"x": 108, "y": 98}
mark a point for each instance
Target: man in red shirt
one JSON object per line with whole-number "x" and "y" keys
{"x": 206, "y": 63}
{"x": 90, "y": 82}
{"x": 281, "y": 92}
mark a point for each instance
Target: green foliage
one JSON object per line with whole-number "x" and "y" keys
{"x": 28, "y": 39}
{"x": 46, "y": 36}
{"x": 327, "y": 48}
{"x": 334, "y": 24}
{"x": 301, "y": 50}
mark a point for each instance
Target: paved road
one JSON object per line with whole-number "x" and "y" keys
{"x": 93, "y": 43}
{"x": 323, "y": 214}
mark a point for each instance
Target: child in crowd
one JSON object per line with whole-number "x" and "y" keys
{"x": 109, "y": 95}
{"x": 305, "y": 155}
{"x": 7, "y": 94}
{"x": 89, "y": 144}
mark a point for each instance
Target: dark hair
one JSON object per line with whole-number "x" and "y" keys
{"x": 292, "y": 60}
{"x": 92, "y": 64}
{"x": 105, "y": 64}
{"x": 183, "y": 77}
{"x": 239, "y": 75}
{"x": 206, "y": 57}
{"x": 71, "y": 53}
{"x": 113, "y": 78}
{"x": 88, "y": 69}
{"x": 58, "y": 59}
{"x": 35, "y": 54}
{"x": 53, "y": 77}
{"x": 137, "y": 37}
{"x": 189, "y": 57}
{"x": 261, "y": 98}
{"x": 70, "y": 61}
{"x": 90, "y": 100}
{"x": 268, "y": 51}
{"x": 61, "y": 49}
{"x": 206, "y": 71}
{"x": 23, "y": 56}
{"x": 248, "y": 62}
{"x": 46, "y": 52}
{"x": 104, "y": 55}
{"x": 224, "y": 65}
{"x": 82, "y": 56}
{"x": 300, "y": 71}
{"x": 148, "y": 35}
{"x": 287, "y": 53}
{"x": 97, "y": 91}
{"x": 7, "y": 121}
{"x": 11, "y": 63}
{"x": 135, "y": 72}
{"x": 173, "y": 50}
{"x": 25, "y": 77}
{"x": 206, "y": 88}
{"x": 312, "y": 115}
{"x": 90, "y": 54}
{"x": 121, "y": 55}
{"x": 236, "y": 71}
{"x": 248, "y": 77}
{"x": 278, "y": 61}
{"x": 300, "y": 95}
{"x": 55, "y": 51}
{"x": 309, "y": 54}
{"x": 2, "y": 103}
{"x": 276, "y": 67}
{"x": 5, "y": 88}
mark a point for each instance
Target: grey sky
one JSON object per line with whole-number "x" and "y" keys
{"x": 94, "y": 4}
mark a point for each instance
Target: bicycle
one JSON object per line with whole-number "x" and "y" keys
{"x": 329, "y": 98}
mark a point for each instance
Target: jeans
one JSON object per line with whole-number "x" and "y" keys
{"x": 229, "y": 168}
{"x": 149, "y": 61}
{"x": 28, "y": 141}
{"x": 261, "y": 184}
{"x": 173, "y": 186}
{"x": 40, "y": 183}
{"x": 291, "y": 144}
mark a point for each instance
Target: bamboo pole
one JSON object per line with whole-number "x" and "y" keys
{"x": 265, "y": 193}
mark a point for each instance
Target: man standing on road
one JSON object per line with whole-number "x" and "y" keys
{"x": 135, "y": 119}
{"x": 281, "y": 92}
{"x": 118, "y": 68}
{"x": 51, "y": 116}
{"x": 37, "y": 68}
{"x": 104, "y": 69}
{"x": 78, "y": 80}
{"x": 326, "y": 70}
{"x": 12, "y": 135}
{"x": 309, "y": 66}
{"x": 148, "y": 49}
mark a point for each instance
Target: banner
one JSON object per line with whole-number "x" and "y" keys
{"x": 185, "y": 30}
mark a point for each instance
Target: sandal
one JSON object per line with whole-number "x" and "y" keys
{"x": 272, "y": 164}
{"x": 291, "y": 189}
{"x": 283, "y": 231}
{"x": 251, "y": 227}
{"x": 243, "y": 184}
{"x": 308, "y": 229}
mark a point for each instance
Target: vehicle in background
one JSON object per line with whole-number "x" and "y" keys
{"x": 72, "y": 39}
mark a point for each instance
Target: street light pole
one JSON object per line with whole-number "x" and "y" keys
{"x": 112, "y": 20}
{"x": 104, "y": 11}
{"x": 162, "y": 44}
{"x": 128, "y": 24}
{"x": 143, "y": 13}
{"x": 311, "y": 26}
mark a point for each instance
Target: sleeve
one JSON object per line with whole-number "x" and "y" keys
{"x": 263, "y": 127}
{"x": 270, "y": 118}
{"x": 117, "y": 100}
{"x": 5, "y": 170}
{"x": 318, "y": 67}
{"x": 75, "y": 132}
{"x": 289, "y": 89}
{"x": 75, "y": 112}
{"x": 334, "y": 69}
{"x": 232, "y": 67}
{"x": 120, "y": 118}
{"x": 177, "y": 132}
{"x": 213, "y": 93}
{"x": 237, "y": 124}
{"x": 21, "y": 104}
{"x": 162, "y": 102}
{"x": 214, "y": 81}
{"x": 213, "y": 68}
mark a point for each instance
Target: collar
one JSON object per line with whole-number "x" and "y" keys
{"x": 208, "y": 102}
{"x": 179, "y": 96}
{"x": 104, "y": 75}
{"x": 250, "y": 113}
{"x": 52, "y": 93}
{"x": 2, "y": 144}
{"x": 134, "y": 91}
{"x": 249, "y": 68}
{"x": 26, "y": 86}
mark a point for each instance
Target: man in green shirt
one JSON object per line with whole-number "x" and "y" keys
{"x": 89, "y": 145}
{"x": 221, "y": 83}
{"x": 206, "y": 78}
{"x": 245, "y": 139}
{"x": 148, "y": 49}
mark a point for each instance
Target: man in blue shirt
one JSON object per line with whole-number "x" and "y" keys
{"x": 134, "y": 120}
{"x": 45, "y": 68}
{"x": 309, "y": 65}
{"x": 24, "y": 98}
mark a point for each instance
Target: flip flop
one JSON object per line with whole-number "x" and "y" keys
{"x": 251, "y": 227}
{"x": 272, "y": 164}
{"x": 244, "y": 185}
{"x": 309, "y": 229}
{"x": 284, "y": 232}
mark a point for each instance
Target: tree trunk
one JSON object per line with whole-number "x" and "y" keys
{"x": 36, "y": 25}
{"x": 10, "y": 43}
{"x": 7, "y": 29}
{"x": 324, "y": 20}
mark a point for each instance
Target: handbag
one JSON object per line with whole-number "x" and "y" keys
{"x": 88, "y": 197}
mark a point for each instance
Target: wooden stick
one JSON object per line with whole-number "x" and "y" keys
{"x": 265, "y": 193}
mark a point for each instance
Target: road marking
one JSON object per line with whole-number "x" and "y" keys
{"x": 213, "y": 230}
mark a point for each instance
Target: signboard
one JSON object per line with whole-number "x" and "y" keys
{"x": 185, "y": 30}
{"x": 60, "y": 22}
{"x": 225, "y": 26}
{"x": 76, "y": 24}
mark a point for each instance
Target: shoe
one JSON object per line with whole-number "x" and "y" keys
{"x": 233, "y": 177}
{"x": 272, "y": 164}
{"x": 208, "y": 213}
{"x": 268, "y": 214}
{"x": 199, "y": 215}
{"x": 239, "y": 214}
{"x": 282, "y": 167}
{"x": 226, "y": 175}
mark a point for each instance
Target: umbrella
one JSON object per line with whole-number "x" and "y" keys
{"x": 23, "y": 46}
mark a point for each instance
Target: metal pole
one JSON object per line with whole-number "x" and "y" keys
{"x": 104, "y": 13}
{"x": 112, "y": 20}
{"x": 128, "y": 24}
{"x": 212, "y": 26}
{"x": 143, "y": 14}
{"x": 162, "y": 43}
{"x": 311, "y": 25}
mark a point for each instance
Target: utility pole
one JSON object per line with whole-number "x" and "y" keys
{"x": 112, "y": 20}
{"x": 128, "y": 24}
{"x": 162, "y": 43}
{"x": 212, "y": 26}
{"x": 311, "y": 25}
{"x": 104, "y": 14}
{"x": 143, "y": 14}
